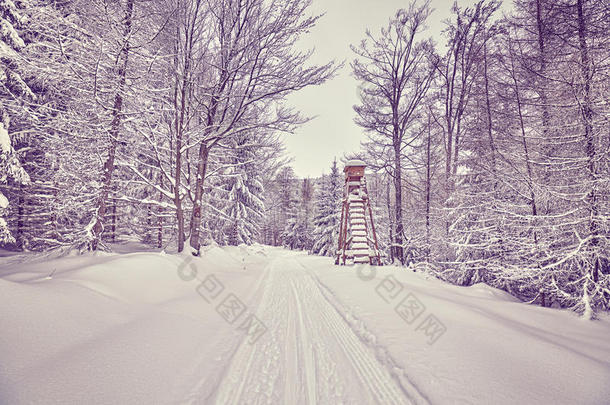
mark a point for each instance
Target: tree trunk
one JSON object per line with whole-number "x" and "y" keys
{"x": 202, "y": 164}
{"x": 546, "y": 121}
{"x": 160, "y": 217}
{"x": 196, "y": 216}
{"x": 530, "y": 175}
{"x": 428, "y": 187}
{"x": 398, "y": 249}
{"x": 448, "y": 157}
{"x": 181, "y": 90}
{"x": 108, "y": 168}
{"x": 19, "y": 234}
{"x": 113, "y": 222}
{"x": 390, "y": 218}
{"x": 456, "y": 148}
{"x": 177, "y": 197}
{"x": 587, "y": 117}
{"x": 492, "y": 146}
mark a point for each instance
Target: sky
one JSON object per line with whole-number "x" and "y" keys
{"x": 332, "y": 132}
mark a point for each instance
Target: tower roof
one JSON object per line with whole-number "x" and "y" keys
{"x": 355, "y": 163}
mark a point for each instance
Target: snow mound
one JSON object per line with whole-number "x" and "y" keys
{"x": 482, "y": 290}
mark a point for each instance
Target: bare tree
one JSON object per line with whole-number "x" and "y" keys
{"x": 254, "y": 65}
{"x": 190, "y": 47}
{"x": 457, "y": 72}
{"x": 594, "y": 283}
{"x": 395, "y": 72}
{"x": 117, "y": 114}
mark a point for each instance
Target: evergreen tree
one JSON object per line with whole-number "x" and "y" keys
{"x": 298, "y": 231}
{"x": 328, "y": 213}
{"x": 246, "y": 207}
{"x": 14, "y": 93}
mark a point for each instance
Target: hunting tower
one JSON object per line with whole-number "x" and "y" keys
{"x": 357, "y": 236}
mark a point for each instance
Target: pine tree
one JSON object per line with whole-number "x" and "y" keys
{"x": 14, "y": 93}
{"x": 10, "y": 169}
{"x": 298, "y": 231}
{"x": 246, "y": 207}
{"x": 328, "y": 213}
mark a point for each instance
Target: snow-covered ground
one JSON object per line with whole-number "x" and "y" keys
{"x": 264, "y": 325}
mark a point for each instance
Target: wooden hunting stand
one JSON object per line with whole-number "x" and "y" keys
{"x": 357, "y": 236}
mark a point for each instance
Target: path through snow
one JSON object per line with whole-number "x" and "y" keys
{"x": 310, "y": 354}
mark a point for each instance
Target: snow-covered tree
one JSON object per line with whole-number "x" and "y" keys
{"x": 246, "y": 207}
{"x": 527, "y": 205}
{"x": 253, "y": 64}
{"x": 328, "y": 213}
{"x": 395, "y": 71}
{"x": 298, "y": 231}
{"x": 14, "y": 93}
{"x": 10, "y": 169}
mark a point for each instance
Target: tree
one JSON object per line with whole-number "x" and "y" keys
{"x": 246, "y": 204}
{"x": 328, "y": 213}
{"x": 471, "y": 193}
{"x": 254, "y": 65}
{"x": 14, "y": 93}
{"x": 527, "y": 204}
{"x": 458, "y": 71}
{"x": 395, "y": 72}
{"x": 298, "y": 231}
{"x": 10, "y": 168}
{"x": 119, "y": 70}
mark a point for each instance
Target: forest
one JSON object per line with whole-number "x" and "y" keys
{"x": 162, "y": 122}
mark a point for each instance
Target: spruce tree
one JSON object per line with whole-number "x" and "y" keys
{"x": 328, "y": 213}
{"x": 298, "y": 232}
{"x": 246, "y": 207}
{"x": 14, "y": 93}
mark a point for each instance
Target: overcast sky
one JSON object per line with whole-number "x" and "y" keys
{"x": 333, "y": 132}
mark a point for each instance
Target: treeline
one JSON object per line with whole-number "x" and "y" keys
{"x": 148, "y": 120}
{"x": 496, "y": 145}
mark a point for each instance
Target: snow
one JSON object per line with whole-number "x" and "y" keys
{"x": 5, "y": 140}
{"x": 354, "y": 162}
{"x": 9, "y": 34}
{"x": 148, "y": 327}
{"x": 3, "y": 201}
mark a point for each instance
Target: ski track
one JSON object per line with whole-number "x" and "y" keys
{"x": 309, "y": 355}
{"x": 370, "y": 340}
{"x": 196, "y": 383}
